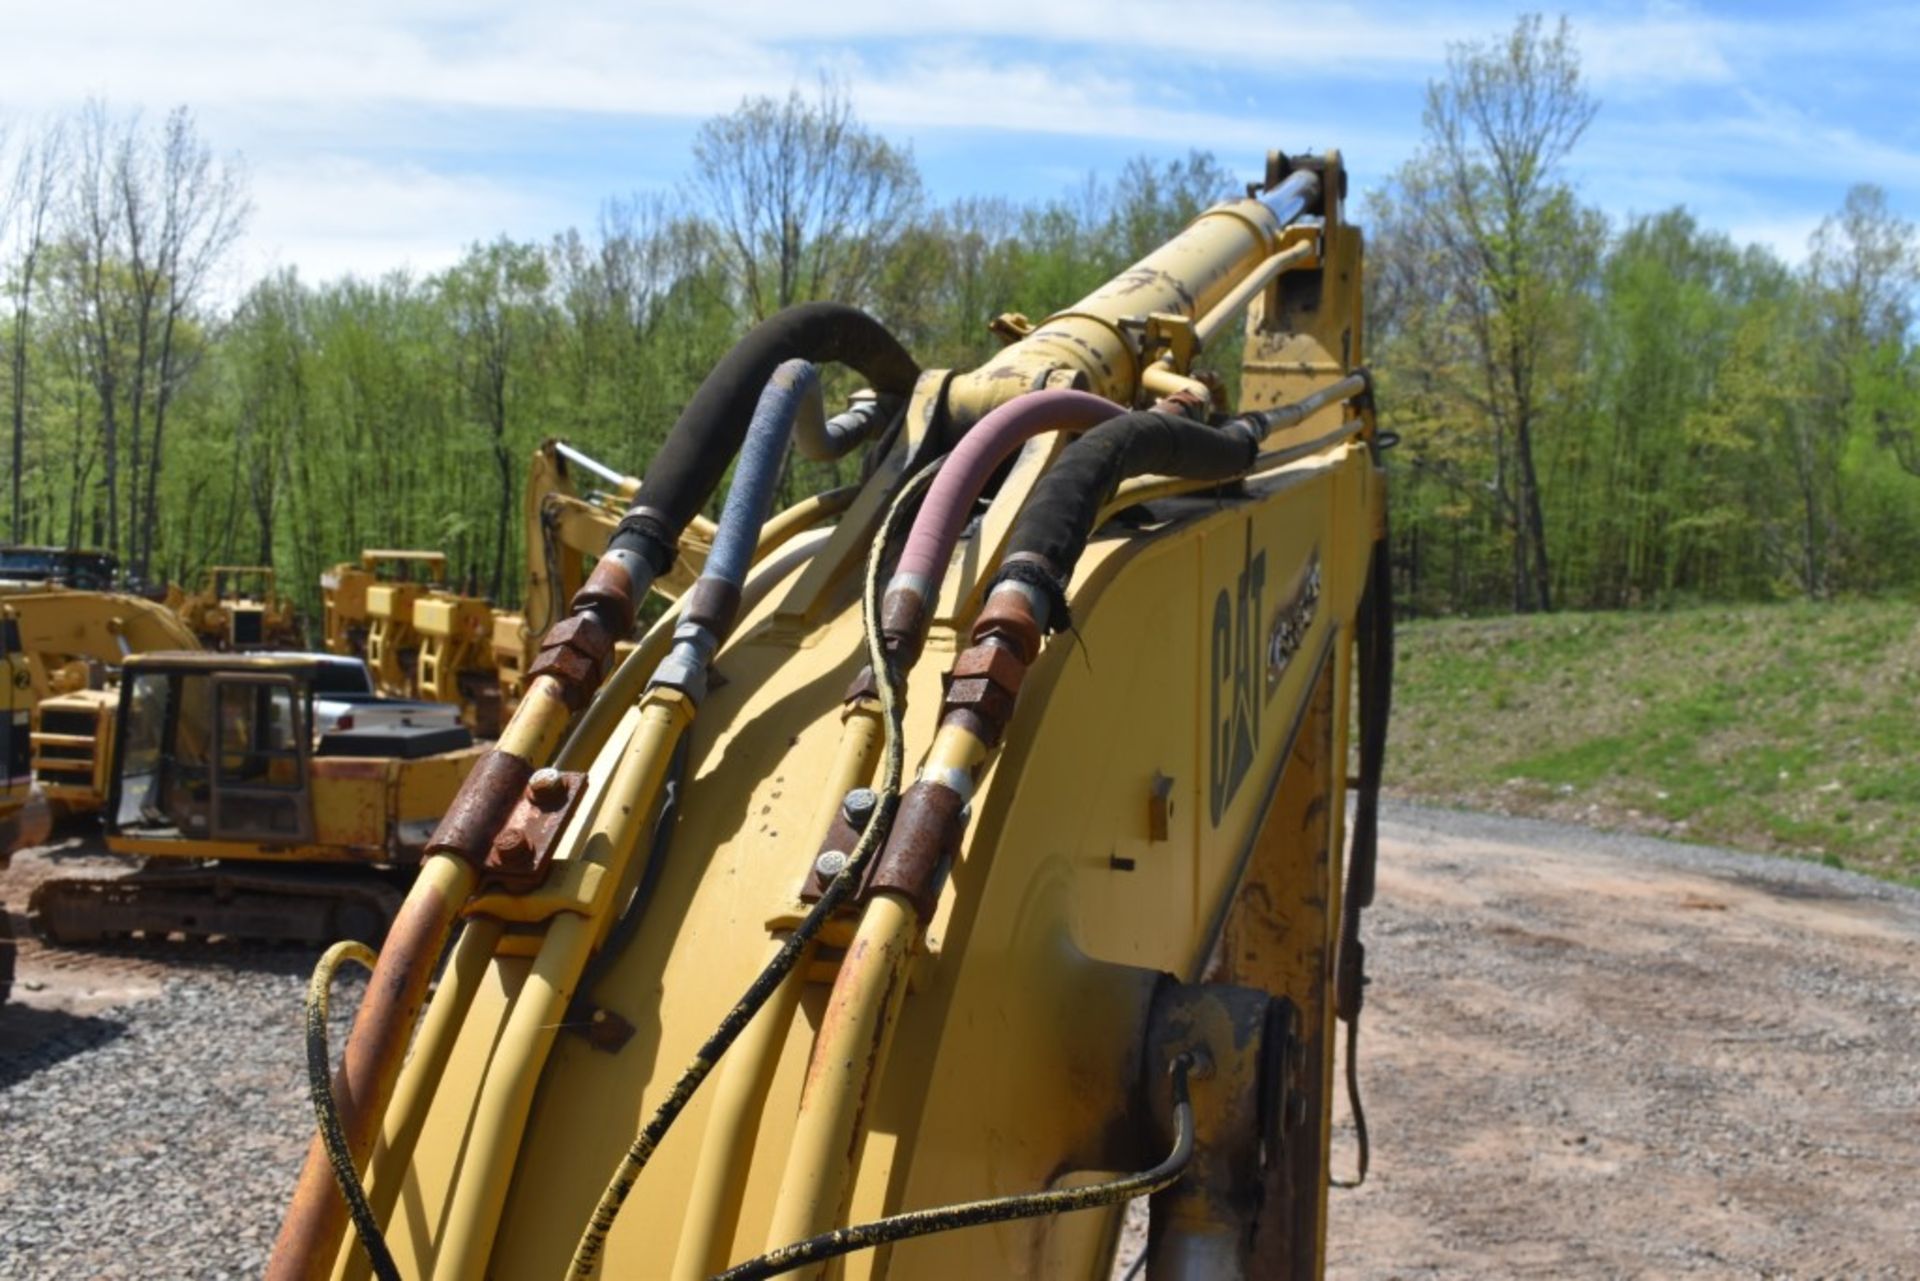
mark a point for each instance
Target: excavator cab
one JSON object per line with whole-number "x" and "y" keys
{"x": 214, "y": 753}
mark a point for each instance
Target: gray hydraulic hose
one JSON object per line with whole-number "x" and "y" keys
{"x": 713, "y": 602}
{"x": 822, "y": 440}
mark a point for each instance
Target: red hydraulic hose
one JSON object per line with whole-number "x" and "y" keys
{"x": 937, "y": 528}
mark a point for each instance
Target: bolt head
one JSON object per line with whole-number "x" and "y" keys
{"x": 513, "y": 849}
{"x": 830, "y": 864}
{"x": 547, "y": 788}
{"x": 859, "y": 806}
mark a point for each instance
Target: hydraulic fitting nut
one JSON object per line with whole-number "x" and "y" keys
{"x": 574, "y": 653}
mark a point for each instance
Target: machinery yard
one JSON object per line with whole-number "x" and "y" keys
{"x": 1592, "y": 1055}
{"x": 852, "y": 719}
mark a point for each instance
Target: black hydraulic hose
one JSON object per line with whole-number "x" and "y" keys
{"x": 1052, "y": 529}
{"x": 326, "y": 1108}
{"x": 1025, "y": 1205}
{"x": 707, "y": 435}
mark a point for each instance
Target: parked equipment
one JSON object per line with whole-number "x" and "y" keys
{"x": 273, "y": 796}
{"x": 725, "y": 991}
{"x": 238, "y": 609}
{"x": 72, "y": 644}
{"x": 346, "y": 594}
{"x": 25, "y": 818}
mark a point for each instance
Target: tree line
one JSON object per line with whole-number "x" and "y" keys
{"x": 1591, "y": 415}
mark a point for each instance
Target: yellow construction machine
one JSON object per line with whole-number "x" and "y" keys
{"x": 72, "y": 645}
{"x": 271, "y": 796}
{"x": 24, "y": 814}
{"x": 952, "y": 863}
{"x": 421, "y": 639}
{"x": 568, "y": 527}
{"x": 237, "y": 608}
{"x": 392, "y": 579}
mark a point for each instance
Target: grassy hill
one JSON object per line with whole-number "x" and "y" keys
{"x": 1792, "y": 728}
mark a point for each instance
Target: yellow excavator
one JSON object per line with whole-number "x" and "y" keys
{"x": 568, "y": 527}
{"x": 25, "y": 818}
{"x": 72, "y": 646}
{"x": 949, "y": 865}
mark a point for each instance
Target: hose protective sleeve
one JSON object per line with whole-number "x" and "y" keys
{"x": 751, "y": 495}
{"x": 708, "y": 433}
{"x": 1053, "y": 527}
{"x": 987, "y": 443}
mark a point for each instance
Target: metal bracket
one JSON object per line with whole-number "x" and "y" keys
{"x": 522, "y": 854}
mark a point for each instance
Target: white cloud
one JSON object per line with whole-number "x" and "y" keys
{"x": 332, "y": 215}
{"x": 374, "y": 126}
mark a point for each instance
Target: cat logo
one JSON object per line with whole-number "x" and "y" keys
{"x": 1246, "y": 669}
{"x": 1233, "y": 707}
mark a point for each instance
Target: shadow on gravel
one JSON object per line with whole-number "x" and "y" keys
{"x": 33, "y": 1040}
{"x": 186, "y": 957}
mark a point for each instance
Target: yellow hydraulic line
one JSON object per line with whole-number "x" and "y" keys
{"x": 433, "y": 1044}
{"x": 506, "y": 1094}
{"x": 851, "y": 1047}
{"x": 802, "y": 516}
{"x": 1159, "y": 381}
{"x": 847, "y": 1060}
{"x": 746, "y": 1074}
{"x": 1227, "y": 308}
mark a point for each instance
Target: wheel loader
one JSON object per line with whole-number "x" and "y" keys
{"x": 947, "y": 866}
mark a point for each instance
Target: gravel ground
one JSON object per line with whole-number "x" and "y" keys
{"x": 152, "y": 1101}
{"x": 1600, "y": 1055}
{"x": 1585, "y": 1055}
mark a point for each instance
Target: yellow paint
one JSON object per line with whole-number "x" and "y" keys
{"x": 1013, "y": 1058}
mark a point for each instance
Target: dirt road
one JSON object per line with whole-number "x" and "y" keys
{"x": 1603, "y": 1056}
{"x": 1584, "y": 1056}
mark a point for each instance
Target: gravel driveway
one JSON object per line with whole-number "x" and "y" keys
{"x": 1584, "y": 1056}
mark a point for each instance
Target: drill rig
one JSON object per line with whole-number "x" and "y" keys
{"x": 722, "y": 990}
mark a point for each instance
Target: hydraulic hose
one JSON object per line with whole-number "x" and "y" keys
{"x": 937, "y": 528}
{"x": 593, "y": 1239}
{"x": 713, "y": 603}
{"x": 1051, "y": 531}
{"x": 1026, "y": 1205}
{"x": 326, "y": 1108}
{"x": 709, "y": 430}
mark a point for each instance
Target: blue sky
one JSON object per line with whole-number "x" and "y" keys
{"x": 380, "y": 134}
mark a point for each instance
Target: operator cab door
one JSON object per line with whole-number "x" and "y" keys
{"x": 261, "y": 745}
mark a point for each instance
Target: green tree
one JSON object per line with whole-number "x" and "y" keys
{"x": 801, "y": 200}
{"x": 1506, "y": 251}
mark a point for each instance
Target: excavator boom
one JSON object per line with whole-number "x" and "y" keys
{"x": 954, "y": 861}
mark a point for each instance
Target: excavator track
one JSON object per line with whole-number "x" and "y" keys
{"x": 272, "y": 904}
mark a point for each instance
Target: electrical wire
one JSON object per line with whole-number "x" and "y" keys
{"x": 1365, "y": 1149}
{"x": 326, "y": 1108}
{"x": 948, "y": 1218}
{"x": 586, "y": 1254}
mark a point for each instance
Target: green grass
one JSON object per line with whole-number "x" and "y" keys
{"x": 1790, "y": 728}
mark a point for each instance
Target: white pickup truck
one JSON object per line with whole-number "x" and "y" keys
{"x": 344, "y": 698}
